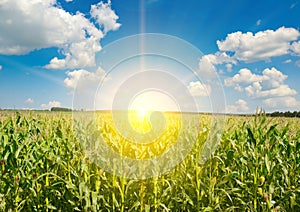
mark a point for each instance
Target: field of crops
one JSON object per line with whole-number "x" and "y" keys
{"x": 43, "y": 167}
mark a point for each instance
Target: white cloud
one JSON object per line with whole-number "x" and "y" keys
{"x": 207, "y": 64}
{"x": 287, "y": 61}
{"x": 282, "y": 102}
{"x": 29, "y": 101}
{"x": 81, "y": 79}
{"x": 255, "y": 90}
{"x": 258, "y": 22}
{"x": 229, "y": 67}
{"x": 239, "y": 106}
{"x": 263, "y": 45}
{"x": 29, "y": 25}
{"x": 1, "y": 67}
{"x": 238, "y": 88}
{"x": 51, "y": 104}
{"x": 298, "y": 63}
{"x": 105, "y": 16}
{"x": 269, "y": 84}
{"x": 244, "y": 76}
{"x": 219, "y": 58}
{"x": 68, "y": 0}
{"x": 273, "y": 78}
{"x": 199, "y": 89}
{"x": 295, "y": 47}
{"x": 206, "y": 68}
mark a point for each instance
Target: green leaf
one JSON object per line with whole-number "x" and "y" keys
{"x": 297, "y": 146}
{"x": 59, "y": 133}
{"x": 271, "y": 130}
{"x": 267, "y": 163}
{"x": 230, "y": 155}
{"x": 51, "y": 207}
{"x": 251, "y": 136}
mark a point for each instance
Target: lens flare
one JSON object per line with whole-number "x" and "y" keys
{"x": 142, "y": 120}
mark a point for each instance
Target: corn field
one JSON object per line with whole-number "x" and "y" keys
{"x": 43, "y": 167}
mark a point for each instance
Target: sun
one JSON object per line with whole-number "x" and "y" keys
{"x": 152, "y": 100}
{"x": 143, "y": 108}
{"x": 142, "y": 113}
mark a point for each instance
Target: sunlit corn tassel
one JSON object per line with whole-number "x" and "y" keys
{"x": 100, "y": 172}
{"x": 292, "y": 200}
{"x": 260, "y": 191}
{"x": 47, "y": 181}
{"x": 38, "y": 187}
{"x": 17, "y": 200}
{"x": 216, "y": 165}
{"x": 97, "y": 185}
{"x": 47, "y": 202}
{"x": 214, "y": 180}
{"x": 202, "y": 193}
{"x": 262, "y": 180}
{"x": 116, "y": 184}
{"x": 277, "y": 208}
{"x": 217, "y": 200}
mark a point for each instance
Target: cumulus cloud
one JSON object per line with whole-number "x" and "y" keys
{"x": 269, "y": 84}
{"x": 0, "y": 67}
{"x": 255, "y": 90}
{"x": 81, "y": 79}
{"x": 29, "y": 101}
{"x": 238, "y": 88}
{"x": 199, "y": 89}
{"x": 105, "y": 16}
{"x": 282, "y": 102}
{"x": 30, "y": 25}
{"x": 295, "y": 47}
{"x": 51, "y": 104}
{"x": 245, "y": 76}
{"x": 239, "y": 106}
{"x": 263, "y": 45}
{"x": 219, "y": 58}
{"x": 206, "y": 67}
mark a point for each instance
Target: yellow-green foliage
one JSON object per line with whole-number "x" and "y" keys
{"x": 255, "y": 168}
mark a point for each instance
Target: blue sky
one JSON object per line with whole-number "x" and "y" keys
{"x": 254, "y": 47}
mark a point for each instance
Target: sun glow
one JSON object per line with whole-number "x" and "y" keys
{"x": 152, "y": 100}
{"x": 146, "y": 129}
{"x": 142, "y": 113}
{"x": 144, "y": 107}
{"x": 140, "y": 120}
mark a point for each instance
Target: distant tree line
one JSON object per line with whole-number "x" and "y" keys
{"x": 60, "y": 109}
{"x": 284, "y": 114}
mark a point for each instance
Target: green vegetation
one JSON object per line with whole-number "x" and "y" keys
{"x": 255, "y": 168}
{"x": 285, "y": 114}
{"x": 60, "y": 109}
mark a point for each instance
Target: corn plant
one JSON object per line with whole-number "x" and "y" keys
{"x": 43, "y": 167}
